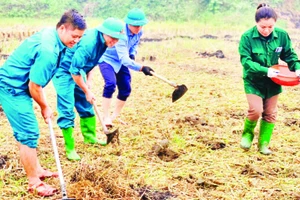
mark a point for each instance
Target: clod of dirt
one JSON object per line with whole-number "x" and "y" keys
{"x": 3, "y": 160}
{"x": 146, "y": 193}
{"x": 193, "y": 120}
{"x": 292, "y": 122}
{"x": 218, "y": 54}
{"x": 161, "y": 145}
{"x": 207, "y": 36}
{"x": 84, "y": 172}
{"x": 228, "y": 36}
{"x": 151, "y": 58}
{"x": 217, "y": 145}
{"x": 167, "y": 155}
{"x": 237, "y": 115}
{"x": 203, "y": 183}
{"x": 252, "y": 171}
{"x": 161, "y": 150}
{"x": 196, "y": 122}
{"x": 212, "y": 145}
{"x": 237, "y": 131}
{"x": 152, "y": 39}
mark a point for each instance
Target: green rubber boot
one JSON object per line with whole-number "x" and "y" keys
{"x": 70, "y": 144}
{"x": 88, "y": 130}
{"x": 265, "y": 134}
{"x": 248, "y": 134}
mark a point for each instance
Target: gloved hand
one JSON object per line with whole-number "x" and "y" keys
{"x": 146, "y": 70}
{"x": 297, "y": 72}
{"x": 132, "y": 57}
{"x": 272, "y": 72}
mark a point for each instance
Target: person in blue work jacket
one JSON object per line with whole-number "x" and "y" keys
{"x": 115, "y": 64}
{"x": 73, "y": 83}
{"x": 26, "y": 71}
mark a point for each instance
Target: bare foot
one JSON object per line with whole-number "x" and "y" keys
{"x": 45, "y": 173}
{"x": 122, "y": 122}
{"x": 119, "y": 120}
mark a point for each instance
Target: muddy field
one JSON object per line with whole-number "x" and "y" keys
{"x": 188, "y": 149}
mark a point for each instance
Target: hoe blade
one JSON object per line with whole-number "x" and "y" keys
{"x": 111, "y": 135}
{"x": 179, "y": 92}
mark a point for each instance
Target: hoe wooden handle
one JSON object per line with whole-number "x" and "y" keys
{"x": 100, "y": 118}
{"x": 164, "y": 79}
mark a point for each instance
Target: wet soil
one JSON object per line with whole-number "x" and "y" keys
{"x": 3, "y": 160}
{"x": 147, "y": 193}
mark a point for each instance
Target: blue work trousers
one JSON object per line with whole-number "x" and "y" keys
{"x": 69, "y": 95}
{"x": 122, "y": 80}
{"x": 18, "y": 109}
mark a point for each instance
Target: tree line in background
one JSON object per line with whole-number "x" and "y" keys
{"x": 176, "y": 10}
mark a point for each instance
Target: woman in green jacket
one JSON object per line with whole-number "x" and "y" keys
{"x": 259, "y": 49}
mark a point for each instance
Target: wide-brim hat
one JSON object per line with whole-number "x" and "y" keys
{"x": 112, "y": 27}
{"x": 136, "y": 17}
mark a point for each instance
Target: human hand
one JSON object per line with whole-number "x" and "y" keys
{"x": 272, "y": 72}
{"x": 132, "y": 57}
{"x": 47, "y": 114}
{"x": 147, "y": 70}
{"x": 90, "y": 97}
{"x": 297, "y": 72}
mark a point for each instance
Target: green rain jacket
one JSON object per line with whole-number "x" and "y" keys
{"x": 257, "y": 54}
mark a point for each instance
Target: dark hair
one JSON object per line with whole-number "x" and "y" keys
{"x": 264, "y": 11}
{"x": 74, "y": 18}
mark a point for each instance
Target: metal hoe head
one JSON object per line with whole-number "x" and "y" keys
{"x": 64, "y": 194}
{"x": 111, "y": 135}
{"x": 179, "y": 92}
{"x": 68, "y": 198}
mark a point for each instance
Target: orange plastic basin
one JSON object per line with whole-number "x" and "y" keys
{"x": 285, "y": 76}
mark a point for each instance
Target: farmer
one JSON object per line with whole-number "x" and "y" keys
{"x": 116, "y": 61}
{"x": 73, "y": 82}
{"x": 259, "y": 49}
{"x": 26, "y": 71}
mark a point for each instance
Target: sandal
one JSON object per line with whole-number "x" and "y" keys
{"x": 48, "y": 174}
{"x": 42, "y": 189}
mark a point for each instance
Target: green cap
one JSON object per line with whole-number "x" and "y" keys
{"x": 136, "y": 17}
{"x": 112, "y": 27}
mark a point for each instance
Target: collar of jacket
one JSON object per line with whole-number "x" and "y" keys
{"x": 256, "y": 34}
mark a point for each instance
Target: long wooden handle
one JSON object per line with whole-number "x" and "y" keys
{"x": 164, "y": 79}
{"x": 100, "y": 118}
